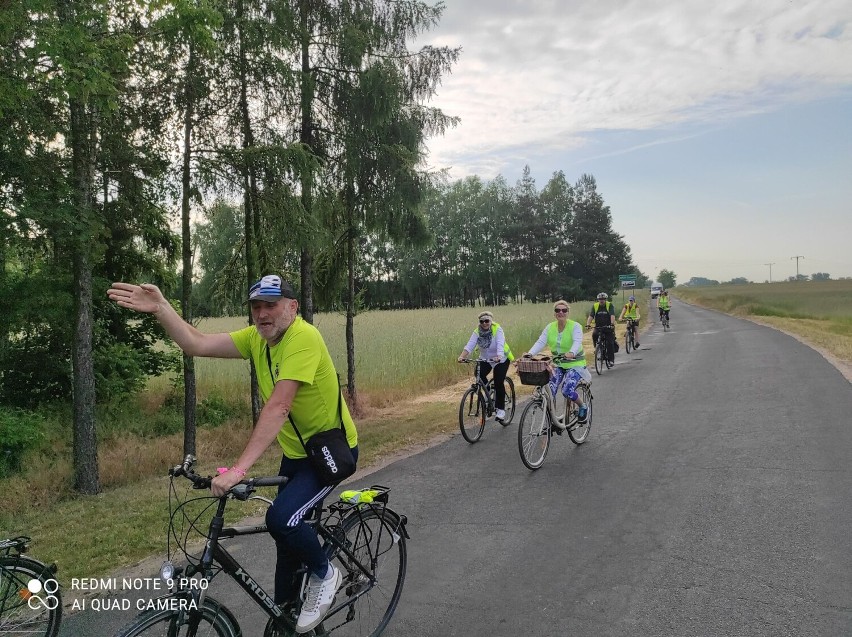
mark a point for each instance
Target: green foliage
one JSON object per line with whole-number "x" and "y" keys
{"x": 493, "y": 243}
{"x": 20, "y": 431}
{"x": 215, "y": 410}
{"x": 667, "y": 278}
{"x": 699, "y": 281}
{"x": 221, "y": 258}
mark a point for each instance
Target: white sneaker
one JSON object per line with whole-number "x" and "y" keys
{"x": 500, "y": 414}
{"x": 319, "y": 596}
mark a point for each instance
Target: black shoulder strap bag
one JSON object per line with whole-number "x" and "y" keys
{"x": 328, "y": 451}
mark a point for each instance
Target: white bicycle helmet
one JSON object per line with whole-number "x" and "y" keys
{"x": 603, "y": 296}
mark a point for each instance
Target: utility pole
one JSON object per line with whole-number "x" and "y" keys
{"x": 770, "y": 270}
{"x": 797, "y": 257}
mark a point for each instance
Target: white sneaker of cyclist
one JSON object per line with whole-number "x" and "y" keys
{"x": 319, "y": 597}
{"x": 500, "y": 414}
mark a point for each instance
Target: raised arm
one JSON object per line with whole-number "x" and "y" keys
{"x": 148, "y": 299}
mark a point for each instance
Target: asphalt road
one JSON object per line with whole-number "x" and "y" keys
{"x": 712, "y": 498}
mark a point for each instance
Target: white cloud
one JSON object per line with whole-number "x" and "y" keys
{"x": 547, "y": 74}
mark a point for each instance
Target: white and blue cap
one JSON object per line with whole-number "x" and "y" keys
{"x": 271, "y": 288}
{"x": 632, "y": 298}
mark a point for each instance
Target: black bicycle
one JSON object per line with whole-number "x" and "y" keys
{"x": 630, "y": 336}
{"x": 30, "y": 602}
{"x": 603, "y": 357}
{"x": 478, "y": 404}
{"x": 361, "y": 535}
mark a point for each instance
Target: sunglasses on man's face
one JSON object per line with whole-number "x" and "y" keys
{"x": 485, "y": 321}
{"x": 561, "y": 310}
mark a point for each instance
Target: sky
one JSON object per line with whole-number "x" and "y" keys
{"x": 719, "y": 133}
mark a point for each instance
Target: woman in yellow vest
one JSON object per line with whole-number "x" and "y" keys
{"x": 493, "y": 347}
{"x": 631, "y": 311}
{"x": 564, "y": 336}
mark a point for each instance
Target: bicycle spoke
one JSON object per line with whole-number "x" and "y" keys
{"x": 534, "y": 433}
{"x": 579, "y": 432}
{"x": 378, "y": 544}
{"x": 472, "y": 415}
{"x": 18, "y": 618}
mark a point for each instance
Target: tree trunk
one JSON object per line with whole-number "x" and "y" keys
{"x": 189, "y": 398}
{"x": 249, "y": 191}
{"x": 85, "y": 445}
{"x": 350, "y": 297}
{"x": 307, "y": 94}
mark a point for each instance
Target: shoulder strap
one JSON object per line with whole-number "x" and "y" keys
{"x": 290, "y": 417}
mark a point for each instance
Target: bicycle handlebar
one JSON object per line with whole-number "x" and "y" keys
{"x": 559, "y": 358}
{"x": 241, "y": 491}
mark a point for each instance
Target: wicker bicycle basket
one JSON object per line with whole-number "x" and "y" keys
{"x": 533, "y": 372}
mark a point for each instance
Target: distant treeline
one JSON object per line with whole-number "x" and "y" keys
{"x": 486, "y": 242}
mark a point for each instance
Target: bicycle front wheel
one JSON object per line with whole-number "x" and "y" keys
{"x": 579, "y": 432}
{"x": 510, "y": 402}
{"x": 534, "y": 433}
{"x": 377, "y": 540}
{"x": 599, "y": 358}
{"x": 472, "y": 415}
{"x": 628, "y": 342}
{"x": 215, "y": 620}
{"x": 17, "y": 617}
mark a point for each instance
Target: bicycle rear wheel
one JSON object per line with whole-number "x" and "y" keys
{"x": 216, "y": 621}
{"x": 17, "y": 617}
{"x": 579, "y": 432}
{"x": 510, "y": 402}
{"x": 599, "y": 358}
{"x": 534, "y": 433}
{"x": 376, "y": 538}
{"x": 472, "y": 415}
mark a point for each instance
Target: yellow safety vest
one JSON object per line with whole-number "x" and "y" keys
{"x": 565, "y": 344}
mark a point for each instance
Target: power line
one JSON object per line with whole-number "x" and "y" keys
{"x": 797, "y": 257}
{"x": 770, "y": 270}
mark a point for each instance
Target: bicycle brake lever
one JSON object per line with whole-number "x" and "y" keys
{"x": 241, "y": 491}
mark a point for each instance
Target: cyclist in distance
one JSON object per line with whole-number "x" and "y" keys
{"x": 664, "y": 305}
{"x": 564, "y": 336}
{"x": 603, "y": 314}
{"x": 297, "y": 380}
{"x": 631, "y": 311}
{"x": 491, "y": 341}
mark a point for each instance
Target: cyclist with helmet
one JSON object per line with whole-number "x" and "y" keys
{"x": 664, "y": 305}
{"x": 603, "y": 314}
{"x": 631, "y": 311}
